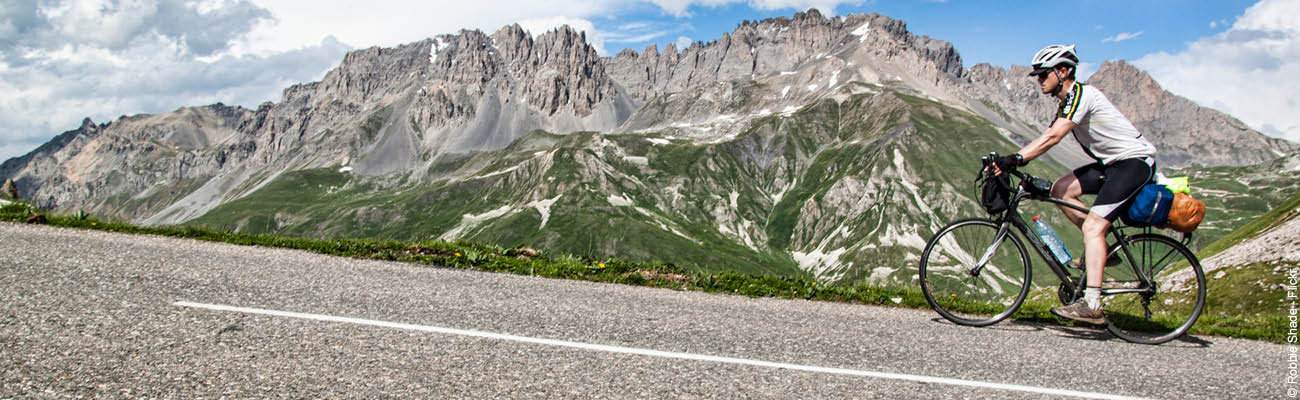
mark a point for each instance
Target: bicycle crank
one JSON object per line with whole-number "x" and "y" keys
{"x": 1066, "y": 295}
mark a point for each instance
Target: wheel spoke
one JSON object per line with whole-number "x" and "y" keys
{"x": 969, "y": 290}
{"x": 1157, "y": 314}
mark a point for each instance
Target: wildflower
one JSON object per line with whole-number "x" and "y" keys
{"x": 458, "y": 254}
{"x": 602, "y": 265}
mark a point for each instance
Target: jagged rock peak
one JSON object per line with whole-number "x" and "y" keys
{"x": 1123, "y": 68}
{"x": 513, "y": 42}
{"x": 781, "y": 45}
{"x": 367, "y": 74}
{"x": 815, "y": 32}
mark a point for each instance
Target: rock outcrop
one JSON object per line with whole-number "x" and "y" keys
{"x": 9, "y": 190}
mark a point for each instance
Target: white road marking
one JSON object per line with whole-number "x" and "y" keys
{"x": 653, "y": 353}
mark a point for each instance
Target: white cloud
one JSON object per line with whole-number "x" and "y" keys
{"x": 683, "y": 42}
{"x": 62, "y": 61}
{"x": 641, "y": 32}
{"x": 1085, "y": 70}
{"x": 201, "y": 28}
{"x": 635, "y": 37}
{"x": 55, "y": 92}
{"x": 1123, "y": 36}
{"x": 679, "y": 7}
{"x": 1247, "y": 71}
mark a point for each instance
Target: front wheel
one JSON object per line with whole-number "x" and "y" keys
{"x": 963, "y": 291}
{"x": 1165, "y": 308}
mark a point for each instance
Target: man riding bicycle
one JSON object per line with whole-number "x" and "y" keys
{"x": 1124, "y": 163}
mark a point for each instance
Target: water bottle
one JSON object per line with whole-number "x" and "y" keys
{"x": 1053, "y": 242}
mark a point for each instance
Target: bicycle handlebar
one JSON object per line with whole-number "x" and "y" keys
{"x": 1035, "y": 185}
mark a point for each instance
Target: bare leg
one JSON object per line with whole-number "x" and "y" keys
{"x": 1089, "y": 308}
{"x": 1094, "y": 246}
{"x": 1067, "y": 188}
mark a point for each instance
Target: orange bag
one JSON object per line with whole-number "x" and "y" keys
{"x": 1186, "y": 213}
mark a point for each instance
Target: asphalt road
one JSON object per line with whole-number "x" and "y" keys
{"x": 106, "y": 315}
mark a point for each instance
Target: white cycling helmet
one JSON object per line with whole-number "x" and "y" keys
{"x": 1052, "y": 56}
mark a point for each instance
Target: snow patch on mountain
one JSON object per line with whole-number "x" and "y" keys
{"x": 862, "y": 32}
{"x": 619, "y": 201}
{"x": 544, "y": 208}
{"x": 471, "y": 221}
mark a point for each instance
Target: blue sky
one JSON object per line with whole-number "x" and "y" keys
{"x": 64, "y": 60}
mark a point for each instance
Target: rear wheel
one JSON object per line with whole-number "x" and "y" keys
{"x": 1164, "y": 309}
{"x": 962, "y": 291}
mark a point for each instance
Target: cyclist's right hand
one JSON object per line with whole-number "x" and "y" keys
{"x": 1007, "y": 163}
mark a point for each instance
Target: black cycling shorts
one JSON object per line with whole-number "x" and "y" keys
{"x": 1115, "y": 184}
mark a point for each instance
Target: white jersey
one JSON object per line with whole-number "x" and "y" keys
{"x": 1104, "y": 132}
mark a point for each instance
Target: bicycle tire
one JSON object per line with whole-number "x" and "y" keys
{"x": 968, "y": 299}
{"x": 1174, "y": 304}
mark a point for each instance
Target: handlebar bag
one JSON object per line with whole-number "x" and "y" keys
{"x": 995, "y": 194}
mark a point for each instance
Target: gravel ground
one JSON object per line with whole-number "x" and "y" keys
{"x": 92, "y": 314}
{"x": 1281, "y": 243}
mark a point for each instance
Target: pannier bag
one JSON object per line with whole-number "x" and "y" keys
{"x": 1186, "y": 213}
{"x": 1150, "y": 207}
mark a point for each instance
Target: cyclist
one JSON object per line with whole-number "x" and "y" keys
{"x": 1124, "y": 163}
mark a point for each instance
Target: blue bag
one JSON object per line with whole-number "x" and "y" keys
{"x": 1150, "y": 207}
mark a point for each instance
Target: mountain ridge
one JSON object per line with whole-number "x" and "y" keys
{"x": 773, "y": 146}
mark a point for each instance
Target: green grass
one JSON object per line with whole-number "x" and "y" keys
{"x": 475, "y": 256}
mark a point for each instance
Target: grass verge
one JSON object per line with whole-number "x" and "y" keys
{"x": 475, "y": 256}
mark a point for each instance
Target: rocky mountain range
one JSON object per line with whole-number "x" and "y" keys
{"x": 808, "y": 145}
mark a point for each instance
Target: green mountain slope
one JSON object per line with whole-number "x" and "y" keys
{"x": 841, "y": 189}
{"x": 1235, "y": 196}
{"x": 848, "y": 188}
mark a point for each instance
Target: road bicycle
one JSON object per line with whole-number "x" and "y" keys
{"x": 977, "y": 272}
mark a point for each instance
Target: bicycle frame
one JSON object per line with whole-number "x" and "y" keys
{"x": 962, "y": 294}
{"x": 1012, "y": 218}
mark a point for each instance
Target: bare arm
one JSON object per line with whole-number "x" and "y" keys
{"x": 1049, "y": 138}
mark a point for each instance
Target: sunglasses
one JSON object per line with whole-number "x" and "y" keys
{"x": 1042, "y": 75}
